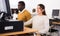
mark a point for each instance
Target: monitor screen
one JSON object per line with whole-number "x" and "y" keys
{"x": 55, "y": 13}
{"x": 5, "y": 7}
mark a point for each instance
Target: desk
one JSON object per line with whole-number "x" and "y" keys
{"x": 26, "y": 30}
{"x": 54, "y": 22}
{"x": 57, "y": 23}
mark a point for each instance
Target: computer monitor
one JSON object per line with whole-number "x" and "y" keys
{"x": 56, "y": 13}
{"x": 5, "y": 7}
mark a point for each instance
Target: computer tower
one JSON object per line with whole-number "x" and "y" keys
{"x": 11, "y": 26}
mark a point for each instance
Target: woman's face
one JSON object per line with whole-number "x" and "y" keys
{"x": 39, "y": 10}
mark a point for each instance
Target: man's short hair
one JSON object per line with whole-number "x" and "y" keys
{"x": 22, "y": 3}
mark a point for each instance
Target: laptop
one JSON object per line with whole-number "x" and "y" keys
{"x": 11, "y": 26}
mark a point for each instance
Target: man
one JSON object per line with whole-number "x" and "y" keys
{"x": 23, "y": 14}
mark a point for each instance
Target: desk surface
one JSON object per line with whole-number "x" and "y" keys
{"x": 58, "y": 23}
{"x": 26, "y": 30}
{"x": 55, "y": 22}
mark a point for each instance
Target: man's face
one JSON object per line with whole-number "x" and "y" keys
{"x": 20, "y": 6}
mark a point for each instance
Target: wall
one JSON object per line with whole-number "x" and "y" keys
{"x": 30, "y": 4}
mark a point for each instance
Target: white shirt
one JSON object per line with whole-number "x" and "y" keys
{"x": 14, "y": 16}
{"x": 21, "y": 11}
{"x": 40, "y": 23}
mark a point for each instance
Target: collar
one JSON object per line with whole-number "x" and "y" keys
{"x": 22, "y": 11}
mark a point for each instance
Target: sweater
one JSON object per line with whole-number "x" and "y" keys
{"x": 24, "y": 15}
{"x": 40, "y": 23}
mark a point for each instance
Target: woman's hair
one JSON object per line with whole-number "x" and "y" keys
{"x": 43, "y": 7}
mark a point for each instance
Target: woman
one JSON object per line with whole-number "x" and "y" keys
{"x": 40, "y": 21}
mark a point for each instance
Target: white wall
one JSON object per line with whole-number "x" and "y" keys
{"x": 30, "y": 4}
